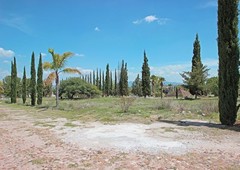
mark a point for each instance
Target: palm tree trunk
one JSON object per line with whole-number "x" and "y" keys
{"x": 57, "y": 90}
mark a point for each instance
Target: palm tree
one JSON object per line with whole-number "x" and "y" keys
{"x": 57, "y": 65}
{"x": 160, "y": 81}
{"x": 153, "y": 81}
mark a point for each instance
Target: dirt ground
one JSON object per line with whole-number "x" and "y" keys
{"x": 30, "y": 143}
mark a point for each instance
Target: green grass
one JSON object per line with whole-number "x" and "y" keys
{"x": 108, "y": 109}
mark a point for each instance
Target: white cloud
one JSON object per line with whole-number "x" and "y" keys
{"x": 150, "y": 19}
{"x": 97, "y": 29}
{"x": 6, "y": 53}
{"x": 79, "y": 55}
{"x": 84, "y": 71}
{"x": 43, "y": 54}
{"x": 172, "y": 72}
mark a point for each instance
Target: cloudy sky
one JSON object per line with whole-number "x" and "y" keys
{"x": 108, "y": 31}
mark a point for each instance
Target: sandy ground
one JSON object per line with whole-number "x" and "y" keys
{"x": 27, "y": 143}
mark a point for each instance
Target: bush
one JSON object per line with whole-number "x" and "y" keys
{"x": 77, "y": 88}
{"x": 126, "y": 102}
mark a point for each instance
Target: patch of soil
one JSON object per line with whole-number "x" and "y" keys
{"x": 27, "y": 145}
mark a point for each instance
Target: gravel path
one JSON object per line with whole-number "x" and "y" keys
{"x": 27, "y": 143}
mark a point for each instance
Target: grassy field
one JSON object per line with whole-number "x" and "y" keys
{"x": 110, "y": 109}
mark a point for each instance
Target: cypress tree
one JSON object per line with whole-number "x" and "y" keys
{"x": 111, "y": 84}
{"x": 103, "y": 83}
{"x": 24, "y": 86}
{"x": 40, "y": 81}
{"x": 146, "y": 87}
{"x": 115, "y": 84}
{"x": 97, "y": 80}
{"x": 123, "y": 82}
{"x": 100, "y": 80}
{"x": 195, "y": 80}
{"x": 14, "y": 81}
{"x": 94, "y": 81}
{"x": 228, "y": 51}
{"x": 33, "y": 81}
{"x": 107, "y": 81}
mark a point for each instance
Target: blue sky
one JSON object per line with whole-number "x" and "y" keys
{"x": 108, "y": 31}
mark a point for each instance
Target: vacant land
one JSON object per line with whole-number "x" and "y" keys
{"x": 95, "y": 134}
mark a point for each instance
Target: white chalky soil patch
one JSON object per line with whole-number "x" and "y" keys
{"x": 124, "y": 136}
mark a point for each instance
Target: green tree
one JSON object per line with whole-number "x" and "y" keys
{"x": 107, "y": 81}
{"x": 153, "y": 79}
{"x": 212, "y": 86}
{"x": 40, "y": 81}
{"x": 137, "y": 86}
{"x": 75, "y": 87}
{"x": 123, "y": 82}
{"x": 196, "y": 79}
{"x": 33, "y": 81}
{"x": 57, "y": 65}
{"x": 1, "y": 88}
{"x": 14, "y": 82}
{"x": 116, "y": 84}
{"x": 24, "y": 86}
{"x": 146, "y": 88}
{"x": 228, "y": 51}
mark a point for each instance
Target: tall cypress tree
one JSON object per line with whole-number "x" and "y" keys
{"x": 100, "y": 80}
{"x": 107, "y": 81}
{"x": 111, "y": 84}
{"x": 146, "y": 87}
{"x": 123, "y": 82}
{"x": 97, "y": 79}
{"x": 228, "y": 51}
{"x": 103, "y": 83}
{"x": 115, "y": 84}
{"x": 40, "y": 81}
{"x": 14, "y": 81}
{"x": 24, "y": 86}
{"x": 33, "y": 81}
{"x": 94, "y": 81}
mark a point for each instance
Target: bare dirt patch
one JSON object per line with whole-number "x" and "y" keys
{"x": 30, "y": 143}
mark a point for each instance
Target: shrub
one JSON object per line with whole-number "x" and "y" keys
{"x": 126, "y": 102}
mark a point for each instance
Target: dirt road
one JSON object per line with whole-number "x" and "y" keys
{"x": 30, "y": 143}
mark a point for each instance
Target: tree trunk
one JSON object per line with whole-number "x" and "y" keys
{"x": 57, "y": 90}
{"x": 161, "y": 90}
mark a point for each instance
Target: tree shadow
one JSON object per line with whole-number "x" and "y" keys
{"x": 196, "y": 123}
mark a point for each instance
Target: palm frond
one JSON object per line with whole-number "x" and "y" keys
{"x": 47, "y": 66}
{"x": 71, "y": 70}
{"x": 64, "y": 58}
{"x": 50, "y": 78}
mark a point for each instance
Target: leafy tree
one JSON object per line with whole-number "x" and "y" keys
{"x": 33, "y": 81}
{"x": 137, "y": 86}
{"x": 1, "y": 88}
{"x": 57, "y": 65}
{"x": 77, "y": 88}
{"x": 47, "y": 89}
{"x": 7, "y": 86}
{"x": 24, "y": 86}
{"x": 14, "y": 82}
{"x": 212, "y": 86}
{"x": 195, "y": 80}
{"x": 40, "y": 81}
{"x": 123, "y": 82}
{"x": 107, "y": 81}
{"x": 146, "y": 88}
{"x": 228, "y": 51}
